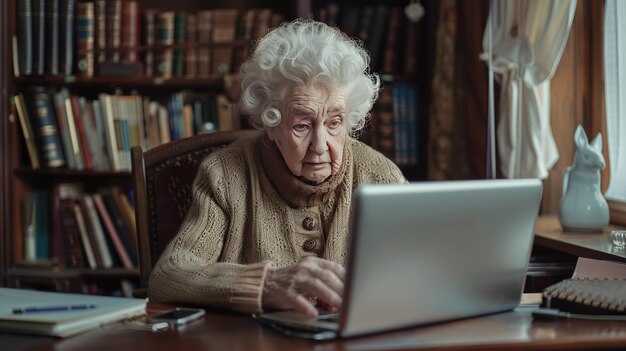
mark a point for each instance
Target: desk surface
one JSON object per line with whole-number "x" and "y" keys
{"x": 515, "y": 330}
{"x": 548, "y": 233}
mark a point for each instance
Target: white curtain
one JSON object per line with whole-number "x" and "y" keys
{"x": 529, "y": 37}
{"x": 615, "y": 94}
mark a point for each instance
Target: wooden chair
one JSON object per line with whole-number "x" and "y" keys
{"x": 162, "y": 178}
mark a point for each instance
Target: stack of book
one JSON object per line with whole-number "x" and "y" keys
{"x": 75, "y": 229}
{"x": 112, "y": 38}
{"x": 64, "y": 130}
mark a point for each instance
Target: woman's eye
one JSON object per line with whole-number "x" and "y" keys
{"x": 334, "y": 124}
{"x": 301, "y": 127}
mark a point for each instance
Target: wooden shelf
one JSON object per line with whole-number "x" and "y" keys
{"x": 214, "y": 81}
{"x": 46, "y": 177}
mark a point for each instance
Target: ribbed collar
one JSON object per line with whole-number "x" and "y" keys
{"x": 295, "y": 191}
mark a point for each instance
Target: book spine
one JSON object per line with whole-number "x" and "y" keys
{"x": 390, "y": 52}
{"x": 224, "y": 31}
{"x": 73, "y": 252}
{"x": 191, "y": 51}
{"x": 100, "y": 125}
{"x": 39, "y": 26}
{"x": 97, "y": 230}
{"x": 66, "y": 44}
{"x": 85, "y": 38}
{"x": 205, "y": 32}
{"x": 112, "y": 232}
{"x": 179, "y": 39}
{"x": 113, "y": 29}
{"x": 123, "y": 231}
{"x": 244, "y": 32}
{"x": 84, "y": 236}
{"x": 149, "y": 25}
{"x": 377, "y": 36}
{"x": 100, "y": 30}
{"x": 108, "y": 116}
{"x": 52, "y": 37}
{"x": 45, "y": 129}
{"x": 81, "y": 133}
{"x": 25, "y": 36}
{"x": 165, "y": 38}
{"x": 129, "y": 31}
{"x": 27, "y": 130}
{"x": 42, "y": 225}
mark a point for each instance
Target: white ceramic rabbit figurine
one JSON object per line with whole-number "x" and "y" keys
{"x": 583, "y": 207}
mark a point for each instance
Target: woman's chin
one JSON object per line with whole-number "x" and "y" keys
{"x": 315, "y": 178}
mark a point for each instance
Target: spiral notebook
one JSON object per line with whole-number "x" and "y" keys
{"x": 587, "y": 296}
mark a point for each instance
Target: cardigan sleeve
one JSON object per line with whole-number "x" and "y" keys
{"x": 188, "y": 270}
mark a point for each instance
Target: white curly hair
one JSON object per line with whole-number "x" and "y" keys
{"x": 301, "y": 53}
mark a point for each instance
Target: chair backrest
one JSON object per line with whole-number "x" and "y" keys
{"x": 162, "y": 178}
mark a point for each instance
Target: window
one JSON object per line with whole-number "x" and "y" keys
{"x": 615, "y": 95}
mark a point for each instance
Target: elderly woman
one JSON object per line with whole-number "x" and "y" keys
{"x": 269, "y": 223}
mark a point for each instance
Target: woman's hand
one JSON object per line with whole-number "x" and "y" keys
{"x": 312, "y": 277}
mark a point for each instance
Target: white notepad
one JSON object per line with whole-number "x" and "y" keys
{"x": 106, "y": 309}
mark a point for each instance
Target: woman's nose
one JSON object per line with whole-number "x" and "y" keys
{"x": 319, "y": 142}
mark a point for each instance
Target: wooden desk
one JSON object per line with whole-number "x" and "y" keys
{"x": 220, "y": 330}
{"x": 548, "y": 233}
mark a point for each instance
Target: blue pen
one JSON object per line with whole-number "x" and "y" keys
{"x": 60, "y": 308}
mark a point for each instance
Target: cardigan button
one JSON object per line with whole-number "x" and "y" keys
{"x": 309, "y": 244}
{"x": 308, "y": 223}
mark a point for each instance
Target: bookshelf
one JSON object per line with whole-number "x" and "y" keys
{"x": 115, "y": 73}
{"x": 75, "y": 78}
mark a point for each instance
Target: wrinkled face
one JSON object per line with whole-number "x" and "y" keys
{"x": 312, "y": 132}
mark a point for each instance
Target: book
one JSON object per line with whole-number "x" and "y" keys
{"x": 100, "y": 11}
{"x": 97, "y": 231}
{"x": 67, "y": 129}
{"x": 84, "y": 237}
{"x": 377, "y": 33}
{"x": 44, "y": 127}
{"x": 112, "y": 232}
{"x": 165, "y": 39}
{"x": 76, "y": 113}
{"x": 66, "y": 226}
{"x": 179, "y": 40}
{"x": 52, "y": 37}
{"x": 66, "y": 32}
{"x": 149, "y": 35}
{"x": 63, "y": 323}
{"x": 127, "y": 239}
{"x": 113, "y": 29}
{"x": 42, "y": 225}
{"x": 205, "y": 32}
{"x": 129, "y": 31}
{"x": 27, "y": 130}
{"x": 85, "y": 29}
{"x": 25, "y": 36}
{"x": 191, "y": 51}
{"x": 39, "y": 25}
{"x": 224, "y": 32}
{"x": 392, "y": 50}
{"x": 587, "y": 296}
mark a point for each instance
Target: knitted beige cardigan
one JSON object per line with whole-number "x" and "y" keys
{"x": 239, "y": 225}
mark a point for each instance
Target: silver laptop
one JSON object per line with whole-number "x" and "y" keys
{"x": 429, "y": 252}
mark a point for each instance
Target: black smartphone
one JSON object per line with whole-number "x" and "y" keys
{"x": 178, "y": 316}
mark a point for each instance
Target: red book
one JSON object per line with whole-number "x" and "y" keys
{"x": 110, "y": 228}
{"x": 80, "y": 130}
